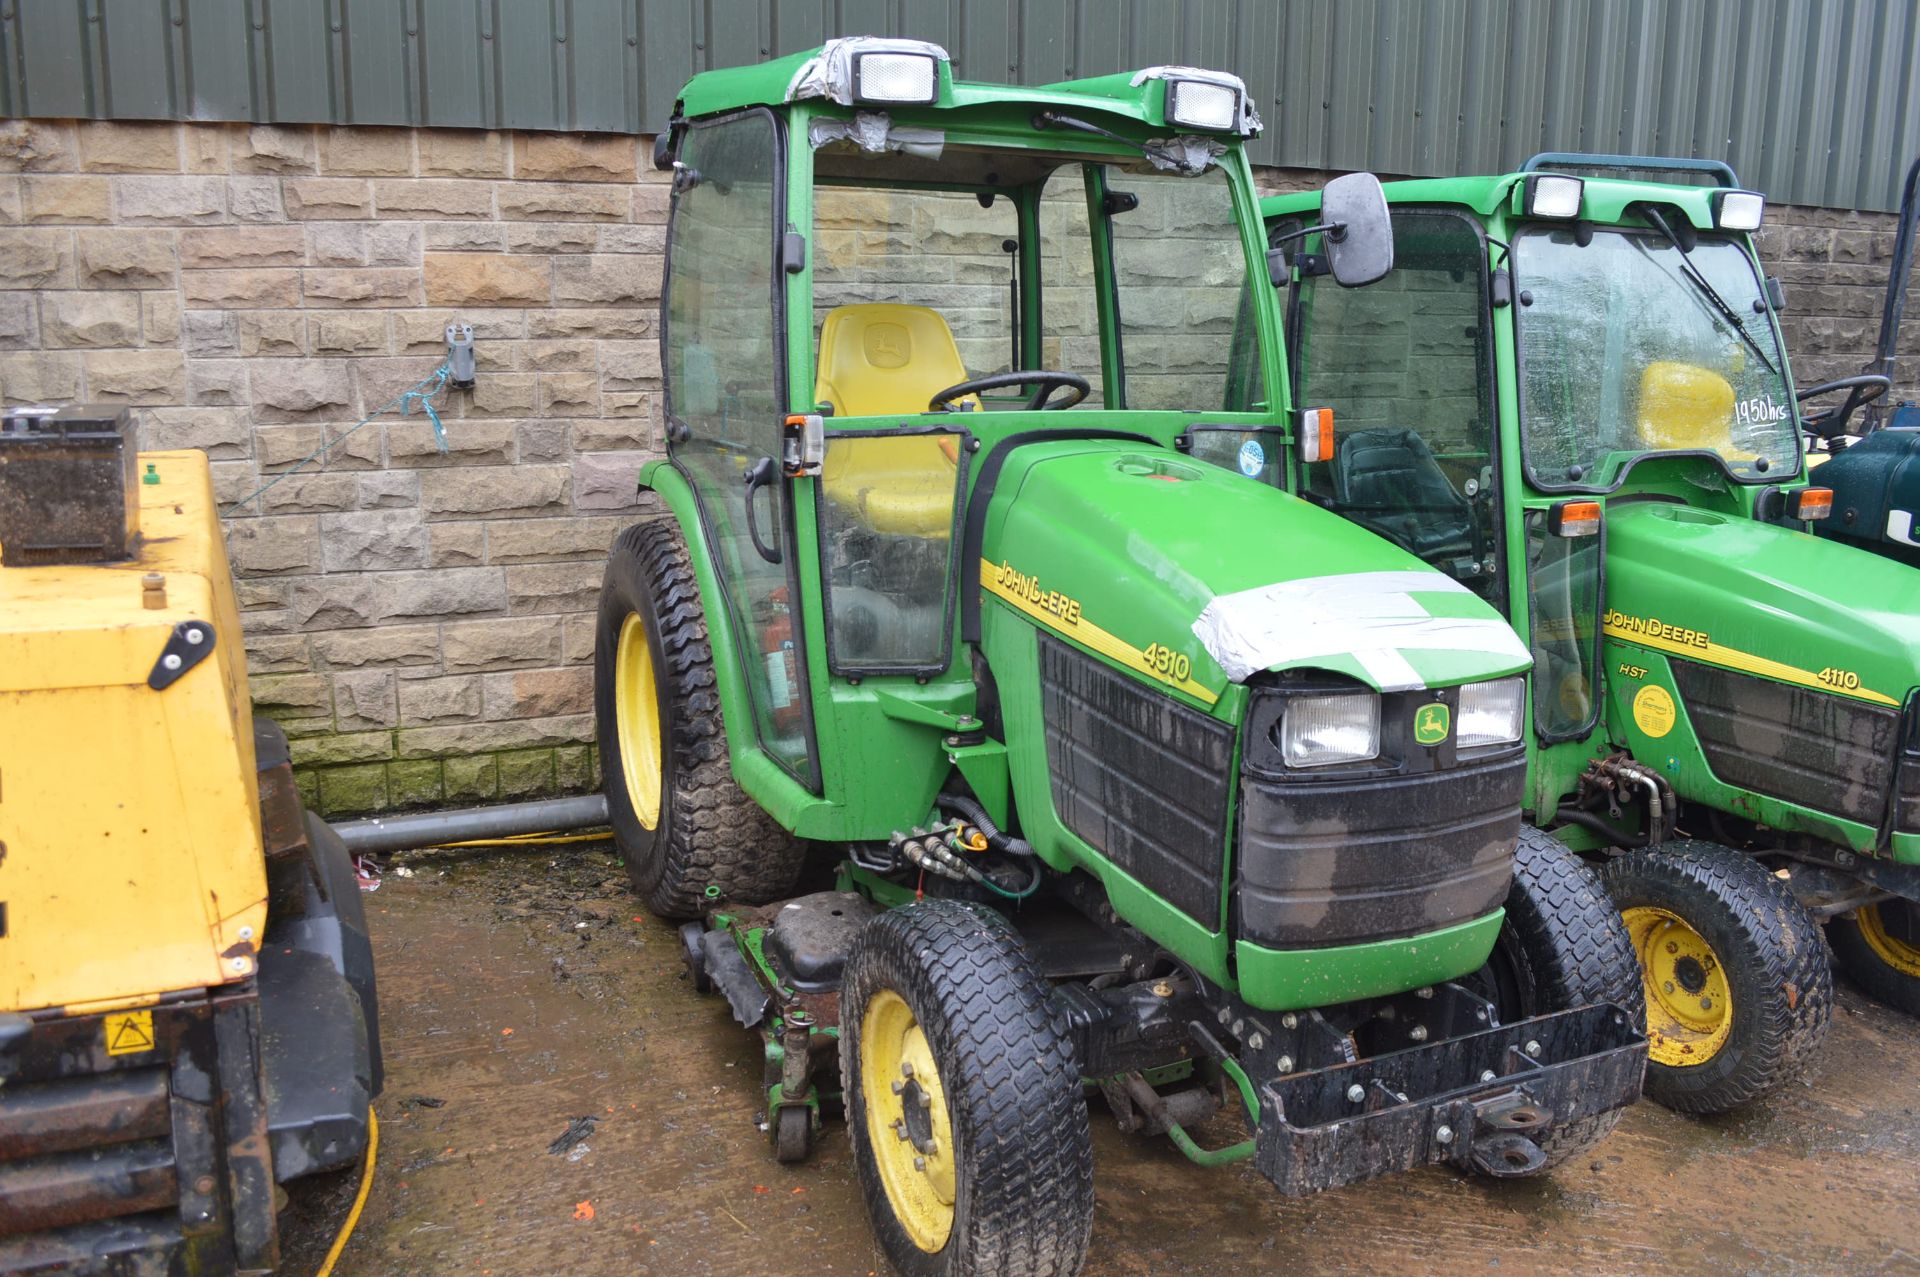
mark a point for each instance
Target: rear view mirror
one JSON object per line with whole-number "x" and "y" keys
{"x": 1359, "y": 238}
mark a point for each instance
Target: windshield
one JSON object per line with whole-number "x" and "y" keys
{"x": 975, "y": 261}
{"x": 1621, "y": 355}
{"x": 1179, "y": 278}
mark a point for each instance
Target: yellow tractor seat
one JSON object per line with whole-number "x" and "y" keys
{"x": 1684, "y": 406}
{"x": 882, "y": 359}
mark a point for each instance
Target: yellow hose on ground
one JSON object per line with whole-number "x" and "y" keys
{"x": 527, "y": 840}
{"x": 359, "y": 1199}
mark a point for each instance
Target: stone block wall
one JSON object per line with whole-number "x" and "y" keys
{"x": 422, "y": 622}
{"x": 1833, "y": 265}
{"x": 419, "y": 621}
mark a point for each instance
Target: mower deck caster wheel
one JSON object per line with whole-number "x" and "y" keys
{"x": 793, "y": 1134}
{"x": 694, "y": 952}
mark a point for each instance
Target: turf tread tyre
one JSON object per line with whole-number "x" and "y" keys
{"x": 1023, "y": 1200}
{"x": 1771, "y": 951}
{"x": 1568, "y": 948}
{"x": 709, "y": 833}
{"x": 1867, "y": 968}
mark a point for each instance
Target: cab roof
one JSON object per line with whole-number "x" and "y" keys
{"x": 1605, "y": 199}
{"x": 1136, "y": 96}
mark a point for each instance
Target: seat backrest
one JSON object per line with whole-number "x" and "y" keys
{"x": 1390, "y": 468}
{"x": 878, "y": 358}
{"x": 1684, "y": 406}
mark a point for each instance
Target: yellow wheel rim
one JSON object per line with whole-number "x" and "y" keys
{"x": 1892, "y": 950}
{"x": 1689, "y": 1007}
{"x": 636, "y": 718}
{"x": 907, "y": 1122}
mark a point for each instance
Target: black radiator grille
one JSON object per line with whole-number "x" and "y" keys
{"x": 1414, "y": 840}
{"x": 1144, "y": 780}
{"x": 1818, "y": 749}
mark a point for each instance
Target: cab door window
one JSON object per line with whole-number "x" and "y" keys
{"x": 1406, "y": 365}
{"x": 725, "y": 398}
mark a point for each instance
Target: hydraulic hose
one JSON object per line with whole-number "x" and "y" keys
{"x": 997, "y": 839}
{"x": 1593, "y": 820}
{"x": 1033, "y": 884}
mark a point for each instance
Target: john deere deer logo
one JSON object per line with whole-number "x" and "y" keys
{"x": 888, "y": 345}
{"x": 1431, "y": 723}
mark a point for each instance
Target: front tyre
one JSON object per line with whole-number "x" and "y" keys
{"x": 1878, "y": 945}
{"x": 680, "y": 821}
{"x": 963, "y": 1098}
{"x": 1738, "y": 987}
{"x": 1562, "y": 946}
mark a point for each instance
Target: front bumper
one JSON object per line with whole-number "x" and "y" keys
{"x": 1482, "y": 1100}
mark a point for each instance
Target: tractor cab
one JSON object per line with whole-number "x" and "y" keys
{"x": 879, "y": 274}
{"x": 1571, "y": 395}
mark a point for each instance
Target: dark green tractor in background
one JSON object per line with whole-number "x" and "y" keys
{"x": 1571, "y": 397}
{"x": 995, "y": 751}
{"x": 1870, "y": 450}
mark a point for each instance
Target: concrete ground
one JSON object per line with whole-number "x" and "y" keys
{"x": 522, "y": 991}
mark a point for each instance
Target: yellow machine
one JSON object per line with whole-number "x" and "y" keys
{"x": 186, "y": 988}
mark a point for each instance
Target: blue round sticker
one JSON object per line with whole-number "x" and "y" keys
{"x": 1253, "y": 458}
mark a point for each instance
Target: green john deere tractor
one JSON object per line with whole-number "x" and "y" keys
{"x": 995, "y": 751}
{"x": 1571, "y": 397}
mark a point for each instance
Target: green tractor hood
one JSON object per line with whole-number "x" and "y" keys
{"x": 1764, "y": 670}
{"x": 1198, "y": 577}
{"x": 1761, "y": 599}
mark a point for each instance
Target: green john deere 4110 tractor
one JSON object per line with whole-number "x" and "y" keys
{"x": 996, "y": 751}
{"x": 1571, "y": 397}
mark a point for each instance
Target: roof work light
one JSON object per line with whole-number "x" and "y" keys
{"x": 889, "y": 76}
{"x": 1738, "y": 210}
{"x": 1553, "y": 195}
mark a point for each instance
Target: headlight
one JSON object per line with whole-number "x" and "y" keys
{"x": 1490, "y": 713}
{"x": 1197, "y": 104}
{"x": 1318, "y": 730}
{"x": 1738, "y": 210}
{"x": 1553, "y": 195}
{"x": 895, "y": 77}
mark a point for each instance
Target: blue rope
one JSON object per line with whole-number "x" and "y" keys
{"x": 421, "y": 396}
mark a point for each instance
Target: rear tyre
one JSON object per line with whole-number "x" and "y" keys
{"x": 981, "y": 1162}
{"x": 1562, "y": 946}
{"x": 1878, "y": 946}
{"x": 1738, "y": 987}
{"x": 680, "y": 821}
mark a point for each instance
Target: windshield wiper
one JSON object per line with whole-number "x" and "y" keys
{"x": 1706, "y": 289}
{"x": 1163, "y": 154}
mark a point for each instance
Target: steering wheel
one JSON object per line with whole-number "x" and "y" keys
{"x": 1861, "y": 390}
{"x": 1048, "y": 382}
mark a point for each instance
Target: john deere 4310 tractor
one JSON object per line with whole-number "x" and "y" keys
{"x": 996, "y": 750}
{"x": 1572, "y": 398}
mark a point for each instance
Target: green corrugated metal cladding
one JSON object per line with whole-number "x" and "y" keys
{"x": 1812, "y": 101}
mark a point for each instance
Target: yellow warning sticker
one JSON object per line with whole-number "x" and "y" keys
{"x": 1653, "y": 711}
{"x": 130, "y": 1033}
